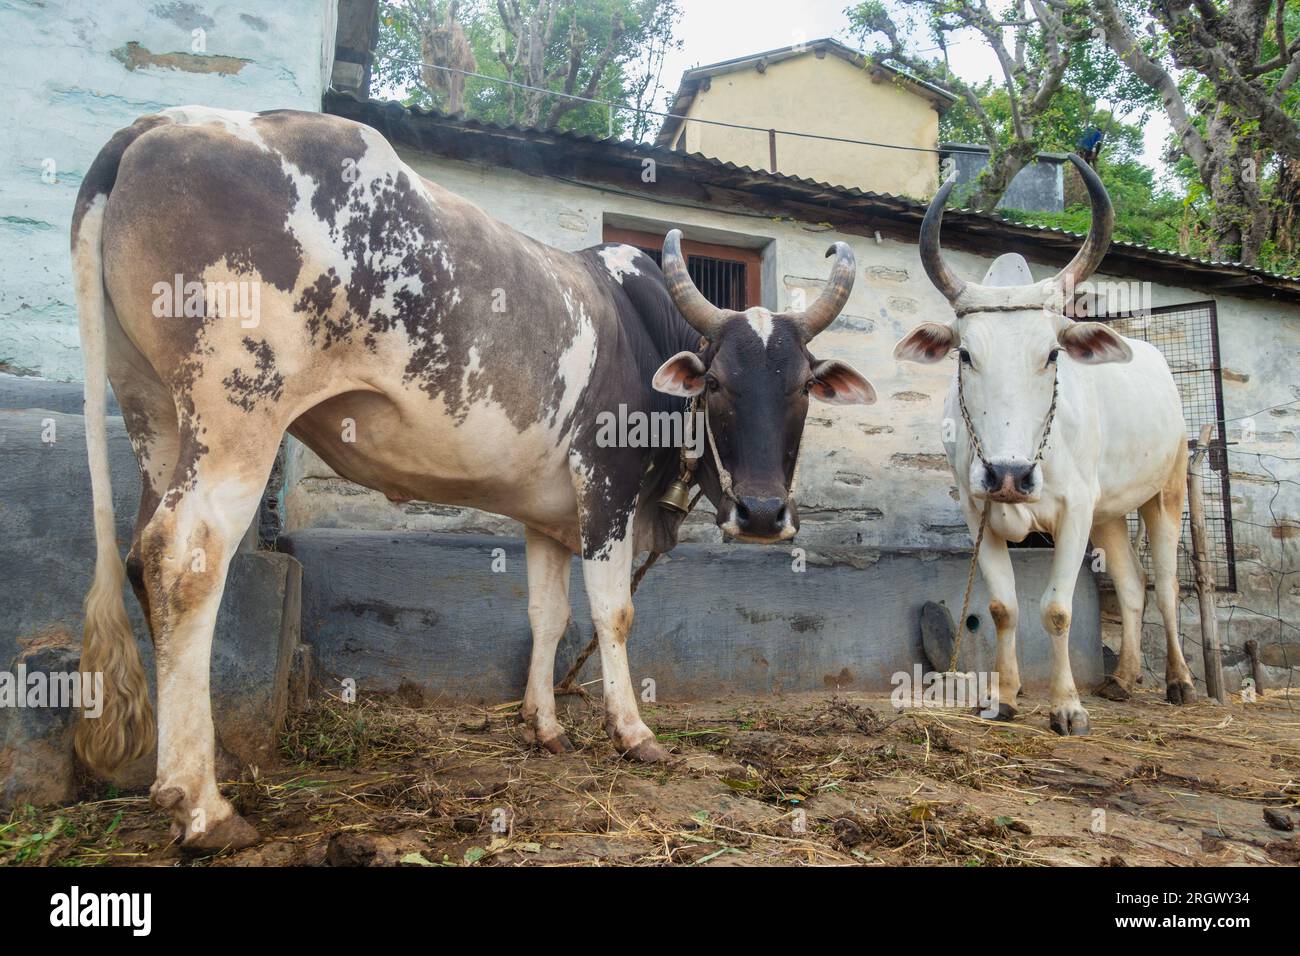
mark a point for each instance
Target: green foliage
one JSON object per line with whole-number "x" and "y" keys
{"x": 1144, "y": 213}
{"x": 631, "y": 75}
{"x": 1149, "y": 215}
{"x": 1097, "y": 89}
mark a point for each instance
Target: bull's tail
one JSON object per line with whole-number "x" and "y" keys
{"x": 119, "y": 727}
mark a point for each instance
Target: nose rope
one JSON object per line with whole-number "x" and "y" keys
{"x": 970, "y": 426}
{"x": 724, "y": 476}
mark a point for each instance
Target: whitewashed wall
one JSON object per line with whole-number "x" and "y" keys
{"x": 72, "y": 78}
{"x": 876, "y": 476}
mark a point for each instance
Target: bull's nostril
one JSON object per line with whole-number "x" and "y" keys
{"x": 742, "y": 513}
{"x": 1027, "y": 480}
{"x": 991, "y": 481}
{"x": 782, "y": 516}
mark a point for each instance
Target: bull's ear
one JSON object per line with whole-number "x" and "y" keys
{"x": 683, "y": 375}
{"x": 1093, "y": 343}
{"x": 836, "y": 383}
{"x": 927, "y": 343}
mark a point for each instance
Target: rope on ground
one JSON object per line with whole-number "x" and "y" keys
{"x": 970, "y": 583}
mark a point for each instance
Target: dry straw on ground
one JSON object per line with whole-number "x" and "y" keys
{"x": 805, "y": 779}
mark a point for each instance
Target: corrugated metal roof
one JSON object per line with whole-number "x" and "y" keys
{"x": 849, "y": 199}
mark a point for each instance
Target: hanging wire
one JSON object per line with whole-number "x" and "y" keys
{"x": 612, "y": 106}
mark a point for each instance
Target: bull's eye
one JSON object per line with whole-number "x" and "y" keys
{"x": 965, "y": 356}
{"x": 807, "y": 386}
{"x": 1051, "y": 356}
{"x": 712, "y": 383}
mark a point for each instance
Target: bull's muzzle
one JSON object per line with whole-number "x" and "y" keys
{"x": 1010, "y": 481}
{"x": 759, "y": 519}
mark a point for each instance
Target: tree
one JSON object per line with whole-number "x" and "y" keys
{"x": 1245, "y": 55}
{"x": 1226, "y": 73}
{"x": 1009, "y": 113}
{"x": 1235, "y": 104}
{"x": 546, "y": 58}
{"x": 447, "y": 56}
{"x": 532, "y": 34}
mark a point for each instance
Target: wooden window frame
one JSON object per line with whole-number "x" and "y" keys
{"x": 751, "y": 258}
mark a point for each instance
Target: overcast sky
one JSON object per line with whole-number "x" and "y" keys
{"x": 716, "y": 30}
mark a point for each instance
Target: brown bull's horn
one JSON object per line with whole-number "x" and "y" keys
{"x": 828, "y": 305}
{"x": 703, "y": 316}
{"x": 1089, "y": 256}
{"x": 943, "y": 278}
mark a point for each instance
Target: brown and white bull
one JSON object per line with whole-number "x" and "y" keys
{"x": 1063, "y": 427}
{"x": 420, "y": 348}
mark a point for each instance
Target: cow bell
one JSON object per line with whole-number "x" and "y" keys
{"x": 677, "y": 497}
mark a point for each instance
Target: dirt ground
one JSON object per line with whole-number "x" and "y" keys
{"x": 806, "y": 779}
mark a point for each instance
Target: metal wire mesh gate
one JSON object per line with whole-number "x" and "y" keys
{"x": 1188, "y": 336}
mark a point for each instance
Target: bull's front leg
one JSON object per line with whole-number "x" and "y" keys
{"x": 607, "y": 574}
{"x": 1004, "y": 608}
{"x": 1069, "y": 718}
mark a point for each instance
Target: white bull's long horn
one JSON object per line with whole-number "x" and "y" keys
{"x": 703, "y": 316}
{"x": 943, "y": 278}
{"x": 1088, "y": 258}
{"x": 828, "y": 305}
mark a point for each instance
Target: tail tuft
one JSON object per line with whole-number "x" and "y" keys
{"x": 122, "y": 728}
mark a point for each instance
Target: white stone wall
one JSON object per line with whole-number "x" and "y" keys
{"x": 876, "y": 476}
{"x": 77, "y": 71}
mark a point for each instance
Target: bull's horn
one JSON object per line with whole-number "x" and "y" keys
{"x": 1089, "y": 256}
{"x": 703, "y": 316}
{"x": 943, "y": 278}
{"x": 827, "y": 305}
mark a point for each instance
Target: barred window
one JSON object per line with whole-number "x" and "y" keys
{"x": 729, "y": 277}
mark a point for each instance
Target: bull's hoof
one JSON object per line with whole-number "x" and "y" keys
{"x": 559, "y": 744}
{"x": 1180, "y": 693}
{"x": 1112, "y": 689}
{"x": 543, "y": 735}
{"x": 232, "y": 833}
{"x": 648, "y": 751}
{"x": 1070, "y": 721}
{"x": 1006, "y": 713}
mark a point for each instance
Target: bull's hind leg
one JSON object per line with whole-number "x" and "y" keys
{"x": 151, "y": 424}
{"x": 548, "y": 614}
{"x": 186, "y": 549}
{"x": 1163, "y": 515}
{"x": 1111, "y": 537}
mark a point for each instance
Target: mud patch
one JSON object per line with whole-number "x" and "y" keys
{"x": 828, "y": 778}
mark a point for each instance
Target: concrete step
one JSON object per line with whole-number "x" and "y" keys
{"x": 449, "y": 613}
{"x": 47, "y": 551}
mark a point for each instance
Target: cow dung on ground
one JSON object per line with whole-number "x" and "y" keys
{"x": 816, "y": 779}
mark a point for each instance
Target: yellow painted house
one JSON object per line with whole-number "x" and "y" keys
{"x": 821, "y": 87}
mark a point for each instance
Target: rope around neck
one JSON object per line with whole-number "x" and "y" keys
{"x": 970, "y": 426}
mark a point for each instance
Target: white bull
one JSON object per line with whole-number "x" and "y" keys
{"x": 1061, "y": 427}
